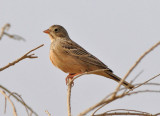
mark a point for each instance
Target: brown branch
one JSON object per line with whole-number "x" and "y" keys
{"x": 128, "y": 110}
{"x": 146, "y": 81}
{"x": 19, "y": 96}
{"x": 103, "y": 103}
{"x": 114, "y": 97}
{"x": 114, "y": 94}
{"x": 134, "y": 66}
{"x": 107, "y": 100}
{"x": 143, "y": 91}
{"x": 100, "y": 103}
{"x": 127, "y": 92}
{"x": 22, "y": 58}
{"x": 6, "y": 26}
{"x": 136, "y": 77}
{"x": 124, "y": 113}
{"x": 14, "y": 109}
{"x": 70, "y": 86}
{"x": 69, "y": 98}
{"x": 23, "y": 103}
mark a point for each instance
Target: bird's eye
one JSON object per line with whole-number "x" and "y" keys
{"x": 56, "y": 30}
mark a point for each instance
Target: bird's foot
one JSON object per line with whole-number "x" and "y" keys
{"x": 70, "y": 77}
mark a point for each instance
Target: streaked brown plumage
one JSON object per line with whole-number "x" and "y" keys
{"x": 72, "y": 58}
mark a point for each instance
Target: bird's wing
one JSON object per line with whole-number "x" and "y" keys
{"x": 77, "y": 51}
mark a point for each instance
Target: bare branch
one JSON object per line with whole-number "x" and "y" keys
{"x": 136, "y": 76}
{"x": 22, "y": 58}
{"x": 124, "y": 112}
{"x": 14, "y": 109}
{"x": 23, "y": 103}
{"x": 70, "y": 86}
{"x": 69, "y": 98}
{"x": 13, "y": 93}
{"x": 143, "y": 91}
{"x": 6, "y": 27}
{"x": 113, "y": 95}
{"x": 127, "y": 92}
{"x": 120, "y": 96}
{"x": 134, "y": 66}
{"x": 107, "y": 100}
{"x": 146, "y": 81}
{"x": 128, "y": 110}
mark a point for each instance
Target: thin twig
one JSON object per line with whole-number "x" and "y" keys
{"x": 14, "y": 109}
{"x": 134, "y": 66}
{"x": 114, "y": 94}
{"x": 6, "y": 26}
{"x": 19, "y": 96}
{"x": 127, "y": 110}
{"x": 136, "y": 77}
{"x": 69, "y": 98}
{"x": 144, "y": 91}
{"x": 70, "y": 86}
{"x": 126, "y": 92}
{"x": 123, "y": 95}
{"x": 146, "y": 81}
{"x": 8, "y": 91}
{"x": 133, "y": 81}
{"x": 120, "y": 83}
{"x": 124, "y": 112}
{"x": 106, "y": 101}
{"x": 22, "y": 58}
{"x": 98, "y": 109}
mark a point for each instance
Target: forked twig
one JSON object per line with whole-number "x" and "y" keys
{"x": 23, "y": 103}
{"x": 134, "y": 66}
{"x": 5, "y": 27}
{"x": 27, "y": 55}
{"x": 13, "y": 106}
{"x": 114, "y": 95}
{"x": 70, "y": 86}
{"x": 19, "y": 96}
{"x": 3, "y": 32}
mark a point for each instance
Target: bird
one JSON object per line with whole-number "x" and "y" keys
{"x": 71, "y": 58}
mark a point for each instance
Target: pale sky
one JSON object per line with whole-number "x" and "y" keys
{"x": 115, "y": 31}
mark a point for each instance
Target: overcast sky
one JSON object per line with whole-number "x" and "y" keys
{"x": 115, "y": 31}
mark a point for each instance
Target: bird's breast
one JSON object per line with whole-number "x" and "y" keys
{"x": 65, "y": 62}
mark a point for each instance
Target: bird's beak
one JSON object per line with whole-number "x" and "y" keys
{"x": 47, "y": 31}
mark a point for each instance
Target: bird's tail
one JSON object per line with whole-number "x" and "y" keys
{"x": 110, "y": 75}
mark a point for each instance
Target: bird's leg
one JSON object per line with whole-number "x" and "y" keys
{"x": 70, "y": 77}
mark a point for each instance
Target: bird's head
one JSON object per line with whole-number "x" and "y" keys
{"x": 57, "y": 31}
